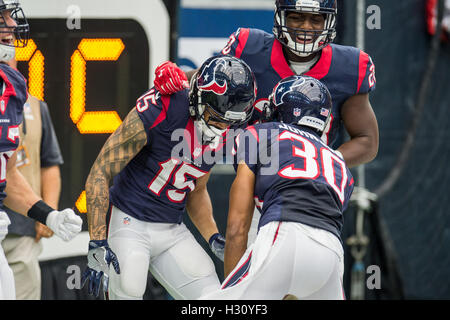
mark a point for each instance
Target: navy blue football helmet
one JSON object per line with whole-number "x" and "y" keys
{"x": 300, "y": 41}
{"x": 13, "y": 34}
{"x": 301, "y": 100}
{"x": 226, "y": 87}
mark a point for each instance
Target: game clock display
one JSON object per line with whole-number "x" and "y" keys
{"x": 90, "y": 79}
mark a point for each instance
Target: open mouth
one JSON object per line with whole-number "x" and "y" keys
{"x": 305, "y": 39}
{"x": 7, "y": 40}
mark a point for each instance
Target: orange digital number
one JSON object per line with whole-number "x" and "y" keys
{"x": 87, "y": 122}
{"x": 91, "y": 50}
{"x": 93, "y": 121}
{"x": 36, "y": 68}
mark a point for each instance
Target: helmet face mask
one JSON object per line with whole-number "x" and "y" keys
{"x": 303, "y": 101}
{"x": 225, "y": 87}
{"x": 11, "y": 10}
{"x": 313, "y": 40}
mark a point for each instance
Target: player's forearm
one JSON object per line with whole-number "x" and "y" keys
{"x": 51, "y": 185}
{"x": 200, "y": 211}
{"x": 20, "y": 195}
{"x": 235, "y": 246}
{"x": 122, "y": 146}
{"x": 359, "y": 150}
{"x": 240, "y": 215}
{"x": 97, "y": 202}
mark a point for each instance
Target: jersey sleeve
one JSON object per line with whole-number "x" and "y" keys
{"x": 234, "y": 42}
{"x": 246, "y": 146}
{"x": 348, "y": 190}
{"x": 366, "y": 74}
{"x": 246, "y": 43}
{"x": 152, "y": 109}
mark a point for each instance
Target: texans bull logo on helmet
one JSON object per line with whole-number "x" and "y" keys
{"x": 215, "y": 84}
{"x": 284, "y": 88}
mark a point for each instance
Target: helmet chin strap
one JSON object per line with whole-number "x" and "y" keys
{"x": 210, "y": 134}
{"x": 7, "y": 53}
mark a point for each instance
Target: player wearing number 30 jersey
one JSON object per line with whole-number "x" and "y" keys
{"x": 160, "y": 158}
{"x": 298, "y": 250}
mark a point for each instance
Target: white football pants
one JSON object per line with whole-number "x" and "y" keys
{"x": 287, "y": 258}
{"x": 7, "y": 287}
{"x": 169, "y": 251}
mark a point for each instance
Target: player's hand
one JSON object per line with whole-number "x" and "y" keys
{"x": 217, "y": 245}
{"x": 42, "y": 231}
{"x": 100, "y": 256}
{"x": 4, "y": 223}
{"x": 169, "y": 78}
{"x": 65, "y": 224}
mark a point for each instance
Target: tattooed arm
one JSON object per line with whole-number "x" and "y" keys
{"x": 122, "y": 146}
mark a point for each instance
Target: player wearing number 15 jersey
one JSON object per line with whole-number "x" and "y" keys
{"x": 160, "y": 158}
{"x": 297, "y": 251}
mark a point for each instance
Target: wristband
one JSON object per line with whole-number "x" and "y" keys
{"x": 213, "y": 237}
{"x": 39, "y": 211}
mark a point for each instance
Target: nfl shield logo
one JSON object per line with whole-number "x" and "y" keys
{"x": 126, "y": 220}
{"x": 297, "y": 112}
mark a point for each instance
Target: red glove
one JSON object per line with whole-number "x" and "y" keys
{"x": 169, "y": 78}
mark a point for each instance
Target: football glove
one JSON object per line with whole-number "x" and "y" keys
{"x": 100, "y": 256}
{"x": 169, "y": 78}
{"x": 65, "y": 224}
{"x": 217, "y": 245}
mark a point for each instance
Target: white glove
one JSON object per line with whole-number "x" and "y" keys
{"x": 4, "y": 223}
{"x": 65, "y": 224}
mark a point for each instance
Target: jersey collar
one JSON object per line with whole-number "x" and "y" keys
{"x": 318, "y": 71}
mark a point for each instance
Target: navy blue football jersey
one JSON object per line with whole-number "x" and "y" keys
{"x": 13, "y": 97}
{"x": 154, "y": 185}
{"x": 298, "y": 177}
{"x": 345, "y": 71}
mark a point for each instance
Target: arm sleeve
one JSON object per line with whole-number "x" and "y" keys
{"x": 50, "y": 151}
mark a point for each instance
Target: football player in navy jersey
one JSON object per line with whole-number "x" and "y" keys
{"x": 14, "y": 31}
{"x": 298, "y": 252}
{"x": 136, "y": 225}
{"x": 301, "y": 44}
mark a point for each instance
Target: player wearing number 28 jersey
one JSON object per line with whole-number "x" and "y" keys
{"x": 160, "y": 159}
{"x": 346, "y": 71}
